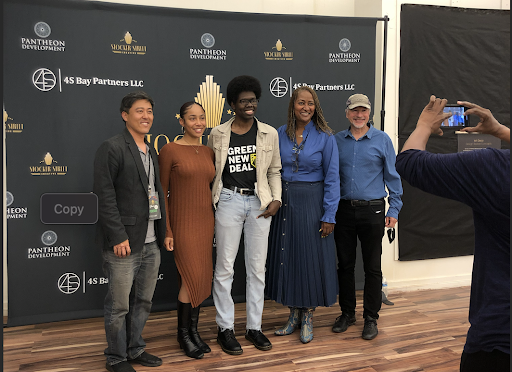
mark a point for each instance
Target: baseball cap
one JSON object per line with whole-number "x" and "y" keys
{"x": 357, "y": 100}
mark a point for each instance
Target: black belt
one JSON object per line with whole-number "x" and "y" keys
{"x": 241, "y": 191}
{"x": 363, "y": 203}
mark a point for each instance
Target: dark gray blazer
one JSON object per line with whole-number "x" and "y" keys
{"x": 121, "y": 184}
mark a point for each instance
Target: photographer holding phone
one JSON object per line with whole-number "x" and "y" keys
{"x": 481, "y": 180}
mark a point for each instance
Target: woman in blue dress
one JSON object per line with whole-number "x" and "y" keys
{"x": 301, "y": 260}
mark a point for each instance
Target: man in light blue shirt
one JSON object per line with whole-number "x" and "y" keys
{"x": 367, "y": 167}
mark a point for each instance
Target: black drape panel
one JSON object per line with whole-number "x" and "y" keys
{"x": 457, "y": 54}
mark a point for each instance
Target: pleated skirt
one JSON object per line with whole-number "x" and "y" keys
{"x": 301, "y": 265}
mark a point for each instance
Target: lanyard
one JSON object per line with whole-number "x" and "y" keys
{"x": 149, "y": 171}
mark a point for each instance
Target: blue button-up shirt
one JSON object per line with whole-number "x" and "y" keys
{"x": 318, "y": 161}
{"x": 367, "y": 167}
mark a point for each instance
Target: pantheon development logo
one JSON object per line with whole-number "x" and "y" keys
{"x": 9, "y": 198}
{"x": 211, "y": 99}
{"x": 44, "y": 79}
{"x": 279, "y": 87}
{"x": 279, "y": 54}
{"x": 130, "y": 46}
{"x": 344, "y": 56}
{"x": 49, "y": 237}
{"x": 14, "y": 212}
{"x": 345, "y": 45}
{"x": 11, "y": 127}
{"x": 48, "y": 167}
{"x": 68, "y": 283}
{"x": 208, "y": 41}
{"x": 43, "y": 30}
{"x": 48, "y": 250}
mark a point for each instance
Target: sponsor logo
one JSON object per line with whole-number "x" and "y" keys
{"x": 344, "y": 45}
{"x": 49, "y": 238}
{"x": 44, "y": 79}
{"x": 9, "y": 198}
{"x": 327, "y": 87}
{"x": 279, "y": 87}
{"x": 77, "y": 80}
{"x": 11, "y": 127}
{"x": 14, "y": 212}
{"x": 279, "y": 54}
{"x": 129, "y": 46}
{"x": 43, "y": 30}
{"x": 68, "y": 283}
{"x": 211, "y": 99}
{"x": 208, "y": 41}
{"x": 344, "y": 57}
{"x": 49, "y": 252}
{"x": 48, "y": 167}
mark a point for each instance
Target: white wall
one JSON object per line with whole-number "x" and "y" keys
{"x": 436, "y": 273}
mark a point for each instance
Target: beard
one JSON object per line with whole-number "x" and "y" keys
{"x": 359, "y": 126}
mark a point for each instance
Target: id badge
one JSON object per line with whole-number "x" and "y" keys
{"x": 154, "y": 207}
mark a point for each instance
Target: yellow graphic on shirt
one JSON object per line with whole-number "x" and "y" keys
{"x": 253, "y": 160}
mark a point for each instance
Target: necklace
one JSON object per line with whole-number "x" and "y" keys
{"x": 197, "y": 152}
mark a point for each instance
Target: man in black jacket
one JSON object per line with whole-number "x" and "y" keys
{"x": 130, "y": 229}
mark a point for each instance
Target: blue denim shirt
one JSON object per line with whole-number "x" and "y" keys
{"x": 317, "y": 161}
{"x": 367, "y": 167}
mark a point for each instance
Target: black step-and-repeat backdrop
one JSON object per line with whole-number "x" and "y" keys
{"x": 67, "y": 64}
{"x": 458, "y": 54}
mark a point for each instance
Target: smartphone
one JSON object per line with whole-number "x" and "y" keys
{"x": 457, "y": 119}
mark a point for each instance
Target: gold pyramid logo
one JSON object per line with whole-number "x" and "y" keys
{"x": 211, "y": 99}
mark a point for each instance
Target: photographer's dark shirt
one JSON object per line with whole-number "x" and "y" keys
{"x": 481, "y": 180}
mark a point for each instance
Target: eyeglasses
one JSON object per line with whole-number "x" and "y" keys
{"x": 252, "y": 101}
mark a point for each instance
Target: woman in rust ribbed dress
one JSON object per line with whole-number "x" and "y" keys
{"x": 186, "y": 172}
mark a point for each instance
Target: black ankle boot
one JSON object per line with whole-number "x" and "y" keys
{"x": 184, "y": 339}
{"x": 194, "y": 335}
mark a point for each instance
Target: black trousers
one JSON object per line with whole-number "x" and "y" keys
{"x": 495, "y": 361}
{"x": 366, "y": 223}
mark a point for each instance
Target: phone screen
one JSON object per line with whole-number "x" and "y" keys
{"x": 457, "y": 119}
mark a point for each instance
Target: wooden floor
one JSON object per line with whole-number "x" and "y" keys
{"x": 423, "y": 331}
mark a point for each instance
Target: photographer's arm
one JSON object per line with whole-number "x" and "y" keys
{"x": 429, "y": 122}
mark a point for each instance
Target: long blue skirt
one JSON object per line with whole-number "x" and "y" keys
{"x": 301, "y": 265}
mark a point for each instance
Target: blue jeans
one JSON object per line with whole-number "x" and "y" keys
{"x": 235, "y": 213}
{"x": 131, "y": 284}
